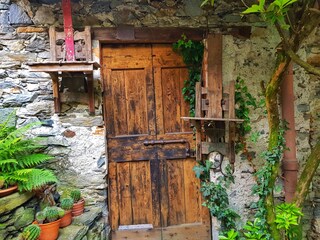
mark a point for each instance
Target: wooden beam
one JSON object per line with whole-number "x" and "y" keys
{"x": 148, "y": 35}
{"x": 78, "y": 66}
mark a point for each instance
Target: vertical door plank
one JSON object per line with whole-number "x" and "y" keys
{"x": 136, "y": 101}
{"x": 141, "y": 193}
{"x": 155, "y": 189}
{"x": 108, "y": 107}
{"x": 164, "y": 198}
{"x": 192, "y": 192}
{"x": 176, "y": 192}
{"x": 214, "y": 47}
{"x": 151, "y": 108}
{"x": 119, "y": 102}
{"x": 171, "y": 101}
{"x": 113, "y": 196}
{"x": 124, "y": 190}
{"x": 158, "y": 94}
{"x": 185, "y": 125}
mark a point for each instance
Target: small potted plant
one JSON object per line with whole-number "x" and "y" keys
{"x": 31, "y": 232}
{"x": 49, "y": 221}
{"x": 78, "y": 205}
{"x": 66, "y": 204}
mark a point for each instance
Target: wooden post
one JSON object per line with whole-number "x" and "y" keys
{"x": 56, "y": 94}
{"x": 68, "y": 30}
{"x": 91, "y": 93}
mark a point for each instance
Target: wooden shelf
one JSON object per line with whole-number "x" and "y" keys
{"x": 58, "y": 69}
{"x": 63, "y": 66}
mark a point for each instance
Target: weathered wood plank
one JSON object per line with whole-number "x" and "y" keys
{"x": 164, "y": 198}
{"x": 149, "y": 35}
{"x": 159, "y": 96}
{"x": 214, "y": 81}
{"x": 91, "y": 94}
{"x": 192, "y": 192}
{"x": 155, "y": 190}
{"x": 141, "y": 193}
{"x": 176, "y": 192}
{"x": 124, "y": 193}
{"x": 139, "y": 234}
{"x": 187, "y": 232}
{"x": 113, "y": 196}
{"x": 52, "y": 41}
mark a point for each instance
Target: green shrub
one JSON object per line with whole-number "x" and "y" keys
{"x": 31, "y": 232}
{"x": 66, "y": 203}
{"x": 75, "y": 195}
{"x": 19, "y": 157}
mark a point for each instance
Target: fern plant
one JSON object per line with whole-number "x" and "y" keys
{"x": 19, "y": 158}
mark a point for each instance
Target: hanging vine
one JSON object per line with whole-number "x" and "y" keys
{"x": 192, "y": 54}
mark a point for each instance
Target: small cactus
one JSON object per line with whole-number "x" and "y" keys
{"x": 31, "y": 232}
{"x": 40, "y": 217}
{"x": 66, "y": 203}
{"x": 61, "y": 212}
{"x": 52, "y": 214}
{"x": 75, "y": 195}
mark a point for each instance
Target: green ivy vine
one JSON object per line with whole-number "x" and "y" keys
{"x": 192, "y": 54}
{"x": 215, "y": 194}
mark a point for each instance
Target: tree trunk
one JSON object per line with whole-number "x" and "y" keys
{"x": 272, "y": 91}
{"x": 306, "y": 176}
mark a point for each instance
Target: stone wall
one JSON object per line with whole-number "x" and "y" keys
{"x": 76, "y": 139}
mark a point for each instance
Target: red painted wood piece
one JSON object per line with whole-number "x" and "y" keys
{"x": 68, "y": 30}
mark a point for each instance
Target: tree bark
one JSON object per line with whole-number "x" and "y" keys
{"x": 272, "y": 91}
{"x": 306, "y": 176}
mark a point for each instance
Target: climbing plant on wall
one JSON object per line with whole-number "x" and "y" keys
{"x": 192, "y": 54}
{"x": 294, "y": 21}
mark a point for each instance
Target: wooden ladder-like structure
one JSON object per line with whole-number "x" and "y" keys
{"x": 215, "y": 106}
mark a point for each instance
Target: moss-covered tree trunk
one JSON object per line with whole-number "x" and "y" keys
{"x": 272, "y": 91}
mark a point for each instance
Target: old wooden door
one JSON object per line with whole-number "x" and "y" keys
{"x": 153, "y": 192}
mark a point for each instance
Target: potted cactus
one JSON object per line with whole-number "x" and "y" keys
{"x": 66, "y": 204}
{"x": 78, "y": 205}
{"x": 49, "y": 221}
{"x": 31, "y": 232}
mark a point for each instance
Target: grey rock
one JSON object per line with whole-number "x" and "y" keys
{"x": 17, "y": 16}
{"x": 73, "y": 232}
{"x": 192, "y": 8}
{"x": 18, "y": 100}
{"x": 87, "y": 218}
{"x": 4, "y": 6}
{"x": 100, "y": 7}
{"x": 8, "y": 114}
{"x": 303, "y": 108}
{"x": 4, "y": 20}
{"x": 4, "y": 218}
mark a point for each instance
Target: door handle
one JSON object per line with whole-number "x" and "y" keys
{"x": 165, "y": 142}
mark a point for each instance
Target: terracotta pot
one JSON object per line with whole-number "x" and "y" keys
{"x": 8, "y": 191}
{"x": 66, "y": 220}
{"x": 78, "y": 208}
{"x": 49, "y": 231}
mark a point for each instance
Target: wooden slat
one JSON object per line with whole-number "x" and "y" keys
{"x": 159, "y": 96}
{"x": 113, "y": 195}
{"x": 164, "y": 198}
{"x": 232, "y": 126}
{"x": 177, "y": 208}
{"x": 155, "y": 190}
{"x": 214, "y": 81}
{"x": 62, "y": 67}
{"x": 185, "y": 107}
{"x": 87, "y": 40}
{"x": 124, "y": 193}
{"x": 208, "y": 147}
{"x": 141, "y": 193}
{"x": 198, "y": 113}
{"x": 192, "y": 192}
{"x": 52, "y": 40}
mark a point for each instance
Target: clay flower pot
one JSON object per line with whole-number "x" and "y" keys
{"x": 49, "y": 231}
{"x": 8, "y": 191}
{"x": 66, "y": 219}
{"x": 78, "y": 208}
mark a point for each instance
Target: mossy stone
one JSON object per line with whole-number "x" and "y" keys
{"x": 26, "y": 219}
